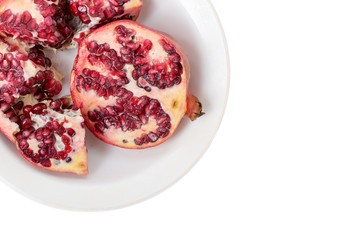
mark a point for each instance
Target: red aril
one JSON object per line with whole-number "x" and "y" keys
{"x": 131, "y": 85}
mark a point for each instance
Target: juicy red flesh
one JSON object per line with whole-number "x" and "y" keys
{"x": 53, "y": 31}
{"x": 103, "y": 9}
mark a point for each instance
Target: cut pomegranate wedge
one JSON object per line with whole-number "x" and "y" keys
{"x": 23, "y": 72}
{"x": 131, "y": 85}
{"x": 49, "y": 134}
{"x": 52, "y": 135}
{"x": 94, "y": 13}
{"x": 41, "y": 22}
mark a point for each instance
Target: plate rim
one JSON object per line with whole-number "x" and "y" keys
{"x": 170, "y": 184}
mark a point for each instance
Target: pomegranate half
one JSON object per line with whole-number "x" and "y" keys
{"x": 131, "y": 85}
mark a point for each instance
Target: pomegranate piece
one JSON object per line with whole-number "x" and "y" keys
{"x": 131, "y": 85}
{"x": 23, "y": 71}
{"x": 41, "y": 22}
{"x": 94, "y": 13}
{"x": 51, "y": 135}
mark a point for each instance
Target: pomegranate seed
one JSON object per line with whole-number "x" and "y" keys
{"x": 139, "y": 141}
{"x": 38, "y": 108}
{"x": 167, "y": 47}
{"x": 52, "y": 152}
{"x": 55, "y": 105}
{"x": 55, "y": 125}
{"x": 61, "y": 130}
{"x": 49, "y": 140}
{"x": 92, "y": 46}
{"x": 19, "y": 105}
{"x": 43, "y": 152}
{"x": 49, "y": 125}
{"x": 27, "y": 110}
{"x": 28, "y": 152}
{"x": 162, "y": 132}
{"x": 26, "y": 17}
{"x": 32, "y": 25}
{"x": 6, "y": 15}
{"x": 48, "y": 21}
{"x": 68, "y": 149}
{"x": 26, "y": 123}
{"x": 71, "y": 132}
{"x": 23, "y": 144}
{"x": 153, "y": 137}
{"x": 66, "y": 140}
{"x": 36, "y": 158}
{"x": 15, "y": 119}
{"x": 62, "y": 155}
{"x": 92, "y": 116}
{"x": 46, "y": 132}
{"x": 46, "y": 163}
{"x": 19, "y": 136}
{"x": 38, "y": 135}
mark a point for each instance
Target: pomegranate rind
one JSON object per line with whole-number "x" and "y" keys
{"x": 7, "y": 127}
{"x": 133, "y": 8}
{"x": 78, "y": 165}
{"x": 173, "y": 100}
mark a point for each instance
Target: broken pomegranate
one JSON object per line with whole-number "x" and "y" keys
{"x": 94, "y": 13}
{"x": 23, "y": 71}
{"x": 49, "y": 134}
{"x": 52, "y": 135}
{"x": 131, "y": 85}
{"x": 44, "y": 22}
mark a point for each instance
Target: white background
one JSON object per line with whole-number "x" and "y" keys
{"x": 285, "y": 163}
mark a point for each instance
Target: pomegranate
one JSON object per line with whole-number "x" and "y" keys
{"x": 51, "y": 134}
{"x": 94, "y": 13}
{"x": 23, "y": 71}
{"x": 131, "y": 85}
{"x": 48, "y": 133}
{"x": 44, "y": 22}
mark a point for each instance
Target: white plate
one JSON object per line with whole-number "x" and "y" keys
{"x": 119, "y": 177}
